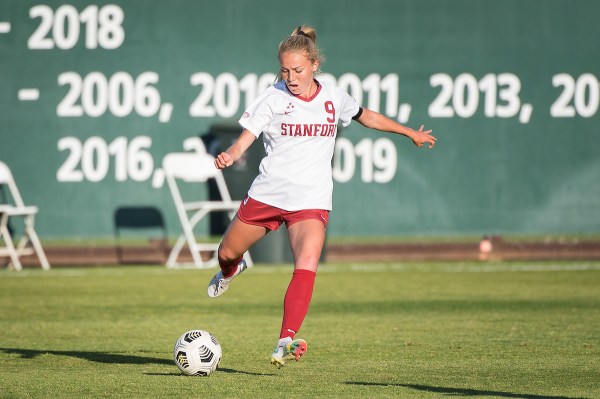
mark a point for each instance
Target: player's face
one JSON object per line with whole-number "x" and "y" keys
{"x": 297, "y": 72}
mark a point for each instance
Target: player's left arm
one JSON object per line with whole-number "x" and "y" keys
{"x": 377, "y": 121}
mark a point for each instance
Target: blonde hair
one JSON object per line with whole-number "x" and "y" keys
{"x": 302, "y": 40}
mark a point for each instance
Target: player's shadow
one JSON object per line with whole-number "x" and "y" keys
{"x": 112, "y": 358}
{"x": 219, "y": 370}
{"x": 462, "y": 391}
{"x": 232, "y": 371}
{"x": 99, "y": 357}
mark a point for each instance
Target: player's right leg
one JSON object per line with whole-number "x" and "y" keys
{"x": 307, "y": 237}
{"x": 237, "y": 239}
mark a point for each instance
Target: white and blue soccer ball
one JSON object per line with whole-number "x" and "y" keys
{"x": 197, "y": 352}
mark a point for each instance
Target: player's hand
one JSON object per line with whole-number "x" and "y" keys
{"x": 223, "y": 160}
{"x": 424, "y": 137}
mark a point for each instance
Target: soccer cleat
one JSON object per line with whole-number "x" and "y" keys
{"x": 219, "y": 284}
{"x": 288, "y": 349}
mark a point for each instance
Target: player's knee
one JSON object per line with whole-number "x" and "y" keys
{"x": 308, "y": 262}
{"x": 226, "y": 254}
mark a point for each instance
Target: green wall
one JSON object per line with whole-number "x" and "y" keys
{"x": 510, "y": 88}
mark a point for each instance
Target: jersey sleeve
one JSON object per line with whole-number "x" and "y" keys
{"x": 348, "y": 107}
{"x": 259, "y": 114}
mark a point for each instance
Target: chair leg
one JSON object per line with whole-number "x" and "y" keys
{"x": 174, "y": 254}
{"x": 198, "y": 262}
{"x": 23, "y": 241}
{"x": 188, "y": 232}
{"x": 12, "y": 251}
{"x": 37, "y": 246}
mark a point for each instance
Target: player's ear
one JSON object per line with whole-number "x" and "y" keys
{"x": 315, "y": 66}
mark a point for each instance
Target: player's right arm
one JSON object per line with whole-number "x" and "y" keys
{"x": 237, "y": 149}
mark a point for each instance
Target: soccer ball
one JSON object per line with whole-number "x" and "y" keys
{"x": 197, "y": 352}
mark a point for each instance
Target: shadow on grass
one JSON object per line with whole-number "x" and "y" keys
{"x": 112, "y": 358}
{"x": 219, "y": 370}
{"x": 99, "y": 357}
{"x": 462, "y": 391}
{"x": 232, "y": 371}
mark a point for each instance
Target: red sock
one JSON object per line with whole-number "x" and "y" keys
{"x": 296, "y": 301}
{"x": 229, "y": 267}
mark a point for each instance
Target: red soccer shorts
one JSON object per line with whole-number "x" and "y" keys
{"x": 259, "y": 214}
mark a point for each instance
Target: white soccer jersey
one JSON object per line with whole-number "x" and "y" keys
{"x": 299, "y": 138}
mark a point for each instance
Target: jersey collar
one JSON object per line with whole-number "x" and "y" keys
{"x": 308, "y": 99}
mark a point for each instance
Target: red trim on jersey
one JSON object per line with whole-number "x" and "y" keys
{"x": 308, "y": 99}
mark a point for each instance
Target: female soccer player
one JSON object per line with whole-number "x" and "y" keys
{"x": 298, "y": 118}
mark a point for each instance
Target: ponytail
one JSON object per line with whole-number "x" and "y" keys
{"x": 306, "y": 31}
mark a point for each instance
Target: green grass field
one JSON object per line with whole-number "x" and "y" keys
{"x": 515, "y": 330}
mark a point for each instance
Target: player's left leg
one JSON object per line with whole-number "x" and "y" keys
{"x": 307, "y": 238}
{"x": 237, "y": 239}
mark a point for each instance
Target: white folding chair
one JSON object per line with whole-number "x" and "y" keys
{"x": 10, "y": 210}
{"x": 196, "y": 167}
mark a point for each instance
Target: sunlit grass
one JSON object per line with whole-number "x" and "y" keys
{"x": 382, "y": 330}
